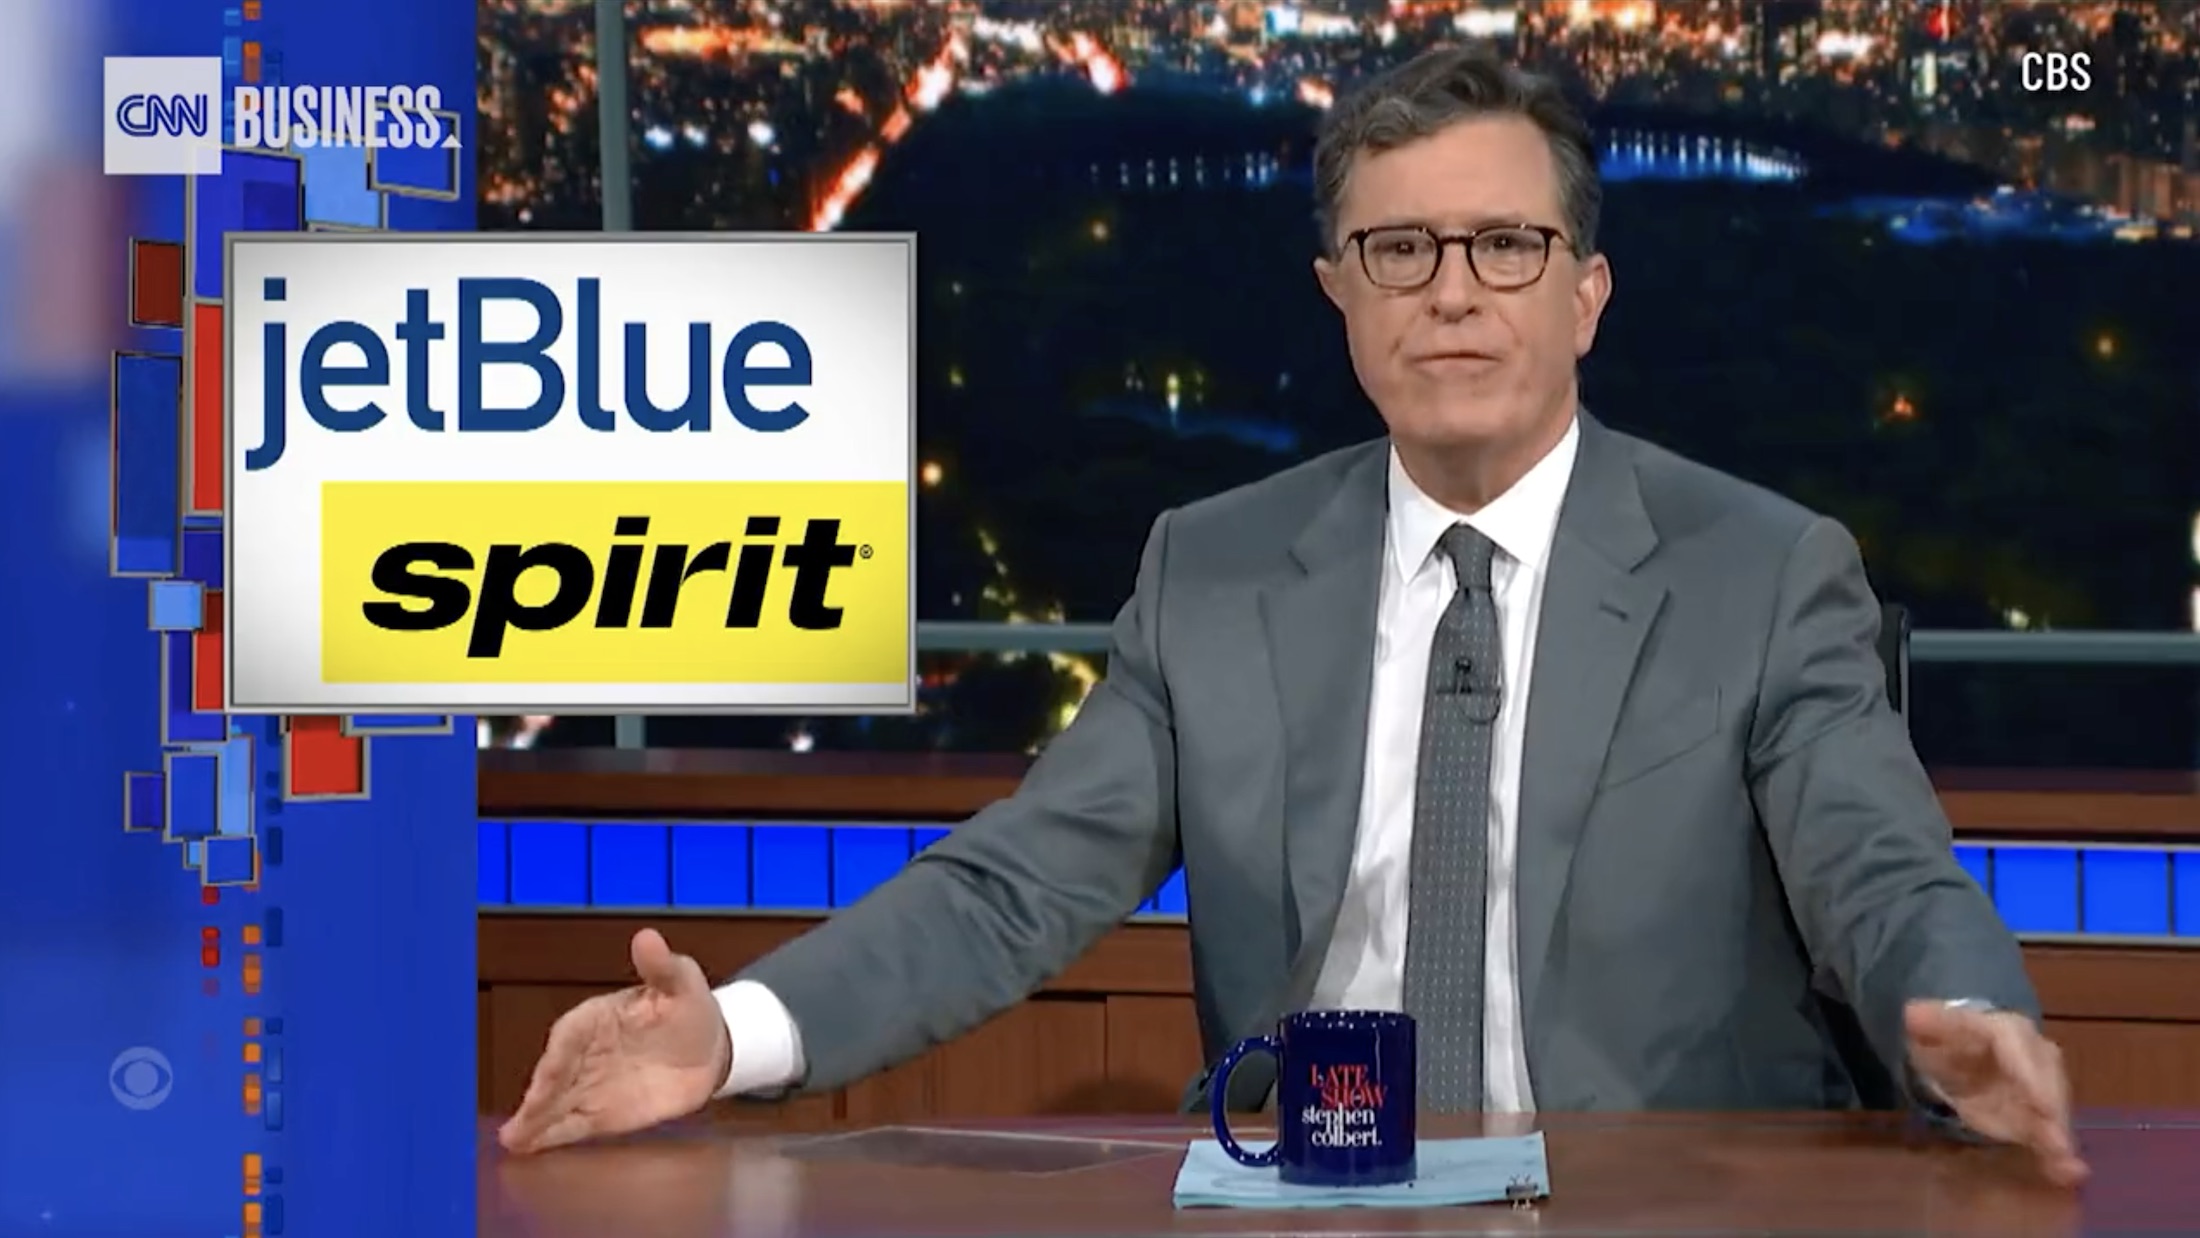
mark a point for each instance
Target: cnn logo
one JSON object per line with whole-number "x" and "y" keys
{"x": 2054, "y": 72}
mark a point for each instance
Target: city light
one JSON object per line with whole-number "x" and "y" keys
{"x": 1023, "y": 36}
{"x": 700, "y": 42}
{"x": 1100, "y": 65}
{"x": 926, "y": 87}
{"x": 930, "y": 474}
{"x": 1485, "y": 23}
{"x": 2104, "y": 346}
{"x": 1843, "y": 45}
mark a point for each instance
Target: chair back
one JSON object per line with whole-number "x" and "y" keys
{"x": 1894, "y": 654}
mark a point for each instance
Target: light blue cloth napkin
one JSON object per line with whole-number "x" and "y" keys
{"x": 1452, "y": 1171}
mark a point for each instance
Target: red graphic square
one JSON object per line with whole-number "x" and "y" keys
{"x": 206, "y": 657}
{"x": 203, "y": 437}
{"x": 156, "y": 284}
{"x": 320, "y": 760}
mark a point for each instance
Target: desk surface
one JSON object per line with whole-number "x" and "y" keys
{"x": 1762, "y": 1174}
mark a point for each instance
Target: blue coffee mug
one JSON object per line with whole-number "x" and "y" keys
{"x": 1345, "y": 1099}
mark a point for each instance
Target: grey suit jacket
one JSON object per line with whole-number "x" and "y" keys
{"x": 1717, "y": 803}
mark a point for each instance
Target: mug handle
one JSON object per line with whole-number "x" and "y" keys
{"x": 1218, "y": 1101}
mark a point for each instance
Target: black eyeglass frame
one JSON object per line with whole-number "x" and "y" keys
{"x": 1465, "y": 241}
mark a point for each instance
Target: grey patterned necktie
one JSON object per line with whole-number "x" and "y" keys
{"x": 1445, "y": 931}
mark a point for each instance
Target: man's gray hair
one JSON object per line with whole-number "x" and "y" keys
{"x": 1438, "y": 89}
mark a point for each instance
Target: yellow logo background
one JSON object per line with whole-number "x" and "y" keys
{"x": 361, "y": 520}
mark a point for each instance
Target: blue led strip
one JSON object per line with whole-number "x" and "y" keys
{"x": 2062, "y": 890}
{"x": 765, "y": 866}
{"x": 2040, "y": 890}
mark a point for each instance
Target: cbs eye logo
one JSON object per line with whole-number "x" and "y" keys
{"x": 141, "y": 1078}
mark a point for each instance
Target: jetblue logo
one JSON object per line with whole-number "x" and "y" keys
{"x": 163, "y": 116}
{"x": 350, "y": 377}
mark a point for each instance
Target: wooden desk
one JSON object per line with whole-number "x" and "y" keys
{"x": 1772, "y": 1174}
{"x": 1117, "y": 1032}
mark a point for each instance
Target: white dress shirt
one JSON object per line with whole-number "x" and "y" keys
{"x": 1365, "y": 966}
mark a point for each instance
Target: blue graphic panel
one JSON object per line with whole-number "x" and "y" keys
{"x": 2036, "y": 888}
{"x": 371, "y": 911}
{"x": 494, "y": 867}
{"x": 630, "y": 866}
{"x": 194, "y": 796}
{"x": 710, "y": 865}
{"x": 139, "y": 1108}
{"x": 791, "y": 867}
{"x": 549, "y": 864}
{"x": 230, "y": 862}
{"x": 336, "y": 188}
{"x": 180, "y": 723}
{"x": 2185, "y": 912}
{"x": 405, "y": 168}
{"x": 233, "y": 806}
{"x": 1170, "y": 901}
{"x": 1975, "y": 861}
{"x": 2126, "y": 892}
{"x": 258, "y": 191}
{"x": 144, "y": 801}
{"x": 397, "y": 724}
{"x": 202, "y": 557}
{"x": 176, "y": 605}
{"x": 862, "y": 858}
{"x": 147, "y": 479}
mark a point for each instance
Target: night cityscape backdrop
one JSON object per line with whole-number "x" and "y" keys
{"x": 1858, "y": 262}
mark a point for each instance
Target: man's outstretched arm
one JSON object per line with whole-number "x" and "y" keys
{"x": 1867, "y": 859}
{"x": 982, "y": 918}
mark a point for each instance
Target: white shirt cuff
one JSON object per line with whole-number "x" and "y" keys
{"x": 767, "y": 1047}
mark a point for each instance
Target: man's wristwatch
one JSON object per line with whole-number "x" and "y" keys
{"x": 1930, "y": 1090}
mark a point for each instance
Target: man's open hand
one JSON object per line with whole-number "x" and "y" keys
{"x": 2001, "y": 1076}
{"x": 627, "y": 1060}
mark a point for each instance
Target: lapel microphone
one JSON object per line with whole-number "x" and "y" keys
{"x": 1483, "y": 694}
{"x": 1462, "y": 676}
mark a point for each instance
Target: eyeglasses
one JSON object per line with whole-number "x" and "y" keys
{"x": 1505, "y": 258}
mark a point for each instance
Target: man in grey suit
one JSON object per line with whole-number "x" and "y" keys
{"x": 1575, "y": 750}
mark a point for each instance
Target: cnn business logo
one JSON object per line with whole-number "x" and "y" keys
{"x": 164, "y": 116}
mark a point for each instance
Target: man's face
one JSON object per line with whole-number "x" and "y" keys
{"x": 1453, "y": 364}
